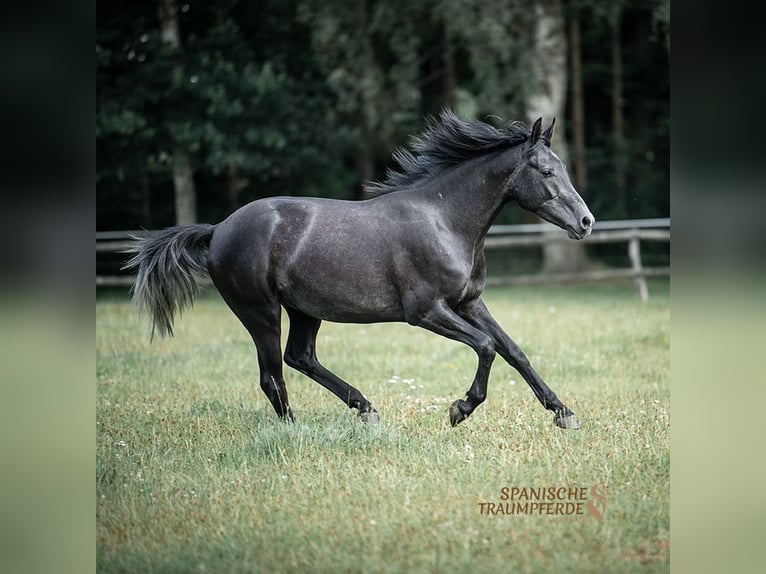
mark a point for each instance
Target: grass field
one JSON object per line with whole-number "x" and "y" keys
{"x": 196, "y": 474}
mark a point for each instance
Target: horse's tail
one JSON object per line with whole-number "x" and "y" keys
{"x": 170, "y": 264}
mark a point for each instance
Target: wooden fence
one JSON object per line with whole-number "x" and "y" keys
{"x": 630, "y": 231}
{"x": 502, "y": 237}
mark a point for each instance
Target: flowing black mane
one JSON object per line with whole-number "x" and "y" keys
{"x": 445, "y": 143}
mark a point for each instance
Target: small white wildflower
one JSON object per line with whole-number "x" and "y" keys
{"x": 121, "y": 444}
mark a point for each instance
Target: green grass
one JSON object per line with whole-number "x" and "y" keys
{"x": 196, "y": 474}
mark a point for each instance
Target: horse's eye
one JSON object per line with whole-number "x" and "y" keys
{"x": 546, "y": 172}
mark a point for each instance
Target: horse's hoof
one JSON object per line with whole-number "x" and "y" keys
{"x": 288, "y": 416}
{"x": 369, "y": 417}
{"x": 456, "y": 416}
{"x": 566, "y": 422}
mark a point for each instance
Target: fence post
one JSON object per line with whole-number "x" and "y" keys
{"x": 634, "y": 252}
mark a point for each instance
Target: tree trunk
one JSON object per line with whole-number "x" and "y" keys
{"x": 235, "y": 183}
{"x": 617, "y": 116}
{"x": 365, "y": 160}
{"x": 578, "y": 106}
{"x": 638, "y": 122}
{"x": 449, "y": 68}
{"x": 546, "y": 98}
{"x": 546, "y": 87}
{"x": 183, "y": 182}
{"x": 146, "y": 202}
{"x": 438, "y": 80}
{"x": 183, "y": 173}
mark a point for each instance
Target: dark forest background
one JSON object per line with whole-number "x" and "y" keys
{"x": 205, "y": 106}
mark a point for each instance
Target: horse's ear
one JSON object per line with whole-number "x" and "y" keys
{"x": 536, "y": 127}
{"x": 548, "y": 133}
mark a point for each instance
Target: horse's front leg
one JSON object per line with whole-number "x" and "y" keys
{"x": 442, "y": 320}
{"x": 477, "y": 314}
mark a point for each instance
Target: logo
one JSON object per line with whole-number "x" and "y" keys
{"x": 556, "y": 502}
{"x": 597, "y": 502}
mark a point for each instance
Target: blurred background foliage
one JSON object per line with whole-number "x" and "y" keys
{"x": 227, "y": 101}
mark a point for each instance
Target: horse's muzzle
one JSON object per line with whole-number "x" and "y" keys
{"x": 585, "y": 226}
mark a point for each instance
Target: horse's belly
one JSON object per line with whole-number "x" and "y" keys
{"x": 343, "y": 301}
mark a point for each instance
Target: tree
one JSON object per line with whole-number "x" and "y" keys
{"x": 183, "y": 173}
{"x": 251, "y": 123}
{"x": 127, "y": 118}
{"x": 488, "y": 55}
{"x": 546, "y": 86}
{"x": 618, "y": 132}
{"x": 391, "y": 63}
{"x": 578, "y": 103}
{"x": 546, "y": 97}
{"x": 368, "y": 57}
{"x": 309, "y": 97}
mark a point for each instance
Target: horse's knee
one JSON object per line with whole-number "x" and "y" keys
{"x": 486, "y": 349}
{"x": 300, "y": 361}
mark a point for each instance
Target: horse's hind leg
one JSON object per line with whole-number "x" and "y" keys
{"x": 264, "y": 327}
{"x": 301, "y": 355}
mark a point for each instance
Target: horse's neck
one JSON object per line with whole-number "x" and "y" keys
{"x": 472, "y": 196}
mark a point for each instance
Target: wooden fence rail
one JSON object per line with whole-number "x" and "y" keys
{"x": 502, "y": 237}
{"x": 632, "y": 236}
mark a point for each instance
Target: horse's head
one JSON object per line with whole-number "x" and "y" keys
{"x": 540, "y": 184}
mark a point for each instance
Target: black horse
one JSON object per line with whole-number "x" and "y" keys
{"x": 413, "y": 251}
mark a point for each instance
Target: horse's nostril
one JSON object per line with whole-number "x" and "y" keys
{"x": 586, "y": 222}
